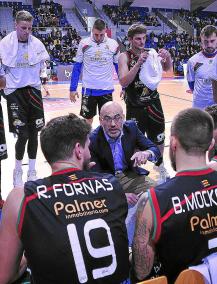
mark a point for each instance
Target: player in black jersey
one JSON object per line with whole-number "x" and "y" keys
{"x": 142, "y": 99}
{"x": 71, "y": 224}
{"x": 176, "y": 221}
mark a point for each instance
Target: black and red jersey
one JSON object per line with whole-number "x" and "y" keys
{"x": 185, "y": 220}
{"x": 72, "y": 227}
{"x": 137, "y": 94}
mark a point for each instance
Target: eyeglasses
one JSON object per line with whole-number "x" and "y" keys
{"x": 108, "y": 119}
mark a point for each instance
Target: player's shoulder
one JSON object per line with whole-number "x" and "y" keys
{"x": 196, "y": 57}
{"x": 111, "y": 41}
{"x": 85, "y": 41}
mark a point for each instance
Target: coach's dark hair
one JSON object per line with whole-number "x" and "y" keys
{"x": 99, "y": 24}
{"x": 136, "y": 29}
{"x": 59, "y": 136}
{"x": 208, "y": 30}
{"x": 23, "y": 16}
{"x": 212, "y": 110}
{"x": 194, "y": 130}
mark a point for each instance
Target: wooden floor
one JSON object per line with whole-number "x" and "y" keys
{"x": 173, "y": 97}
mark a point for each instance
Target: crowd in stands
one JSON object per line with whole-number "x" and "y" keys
{"x": 62, "y": 40}
{"x": 198, "y": 19}
{"x": 61, "y": 44}
{"x": 127, "y": 16}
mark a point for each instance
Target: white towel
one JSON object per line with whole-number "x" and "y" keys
{"x": 151, "y": 70}
{"x": 208, "y": 269}
{"x": 9, "y": 47}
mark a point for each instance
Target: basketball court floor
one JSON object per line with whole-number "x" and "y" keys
{"x": 173, "y": 97}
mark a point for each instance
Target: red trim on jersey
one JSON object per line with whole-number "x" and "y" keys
{"x": 26, "y": 200}
{"x": 172, "y": 211}
{"x": 64, "y": 171}
{"x": 195, "y": 172}
{"x": 158, "y": 216}
{"x": 34, "y": 196}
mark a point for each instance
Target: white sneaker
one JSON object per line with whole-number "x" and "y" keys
{"x": 31, "y": 175}
{"x": 17, "y": 178}
{"x": 164, "y": 176}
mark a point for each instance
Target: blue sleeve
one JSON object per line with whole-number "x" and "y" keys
{"x": 116, "y": 67}
{"x": 191, "y": 85}
{"x": 75, "y": 76}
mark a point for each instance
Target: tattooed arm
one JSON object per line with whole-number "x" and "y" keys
{"x": 143, "y": 249}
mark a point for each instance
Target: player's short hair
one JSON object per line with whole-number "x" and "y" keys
{"x": 212, "y": 111}
{"x": 194, "y": 130}
{"x": 59, "y": 136}
{"x": 208, "y": 30}
{"x": 136, "y": 29}
{"x": 23, "y": 16}
{"x": 99, "y": 24}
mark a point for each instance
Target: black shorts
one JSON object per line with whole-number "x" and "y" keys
{"x": 3, "y": 146}
{"x": 25, "y": 110}
{"x": 89, "y": 104}
{"x": 150, "y": 120}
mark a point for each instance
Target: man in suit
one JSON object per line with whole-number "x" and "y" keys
{"x": 119, "y": 147}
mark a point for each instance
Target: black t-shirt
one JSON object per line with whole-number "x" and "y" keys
{"x": 137, "y": 94}
{"x": 185, "y": 218}
{"x": 72, "y": 226}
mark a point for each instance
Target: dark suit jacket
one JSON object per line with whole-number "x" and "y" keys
{"x": 131, "y": 139}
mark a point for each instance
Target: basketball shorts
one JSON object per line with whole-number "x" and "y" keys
{"x": 150, "y": 120}
{"x": 25, "y": 110}
{"x": 89, "y": 104}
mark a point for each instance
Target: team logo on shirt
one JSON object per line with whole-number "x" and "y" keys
{"x": 73, "y": 177}
{"x": 25, "y": 56}
{"x": 98, "y": 54}
{"x": 205, "y": 183}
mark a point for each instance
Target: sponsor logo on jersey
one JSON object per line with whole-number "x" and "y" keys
{"x": 39, "y": 122}
{"x": 206, "y": 225}
{"x": 80, "y": 208}
{"x": 18, "y": 122}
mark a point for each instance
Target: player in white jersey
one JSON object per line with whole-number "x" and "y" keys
{"x": 200, "y": 67}
{"x": 22, "y": 57}
{"x": 95, "y": 58}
